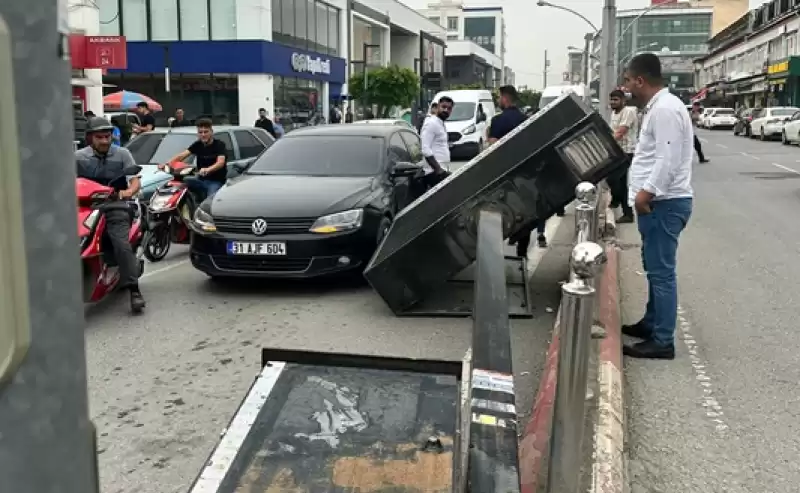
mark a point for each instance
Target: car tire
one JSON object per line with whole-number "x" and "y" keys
{"x": 383, "y": 229}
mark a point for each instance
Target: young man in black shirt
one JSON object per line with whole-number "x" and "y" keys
{"x": 209, "y": 160}
{"x": 265, "y": 123}
{"x": 148, "y": 121}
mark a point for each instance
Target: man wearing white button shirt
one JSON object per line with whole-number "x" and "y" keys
{"x": 435, "y": 148}
{"x": 660, "y": 191}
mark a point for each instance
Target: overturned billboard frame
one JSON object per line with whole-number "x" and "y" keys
{"x": 527, "y": 176}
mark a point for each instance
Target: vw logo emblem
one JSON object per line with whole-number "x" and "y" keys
{"x": 259, "y": 226}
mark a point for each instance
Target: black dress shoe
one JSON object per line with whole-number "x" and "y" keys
{"x": 638, "y": 330}
{"x": 625, "y": 219}
{"x": 649, "y": 350}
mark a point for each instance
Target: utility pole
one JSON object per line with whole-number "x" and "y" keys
{"x": 608, "y": 55}
{"x": 587, "y": 47}
{"x": 46, "y": 438}
{"x": 544, "y": 72}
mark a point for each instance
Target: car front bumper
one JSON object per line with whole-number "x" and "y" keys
{"x": 307, "y": 255}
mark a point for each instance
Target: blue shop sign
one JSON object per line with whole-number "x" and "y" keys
{"x": 232, "y": 57}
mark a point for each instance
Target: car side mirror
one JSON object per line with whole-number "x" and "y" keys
{"x": 481, "y": 117}
{"x": 405, "y": 170}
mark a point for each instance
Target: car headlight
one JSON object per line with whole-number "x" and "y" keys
{"x": 341, "y": 221}
{"x": 204, "y": 221}
{"x": 469, "y": 130}
{"x": 159, "y": 202}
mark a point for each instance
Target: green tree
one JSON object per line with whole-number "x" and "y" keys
{"x": 459, "y": 87}
{"x": 530, "y": 98}
{"x": 385, "y": 87}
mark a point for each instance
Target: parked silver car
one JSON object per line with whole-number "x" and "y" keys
{"x": 244, "y": 145}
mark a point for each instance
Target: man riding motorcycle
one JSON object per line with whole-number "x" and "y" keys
{"x": 101, "y": 162}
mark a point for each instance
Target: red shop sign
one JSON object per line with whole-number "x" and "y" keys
{"x": 104, "y": 52}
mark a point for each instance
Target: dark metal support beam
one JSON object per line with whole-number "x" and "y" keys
{"x": 493, "y": 420}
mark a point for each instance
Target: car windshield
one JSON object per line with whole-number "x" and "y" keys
{"x": 783, "y": 112}
{"x": 724, "y": 112}
{"x": 545, "y": 101}
{"x": 157, "y": 147}
{"x": 321, "y": 155}
{"x": 462, "y": 111}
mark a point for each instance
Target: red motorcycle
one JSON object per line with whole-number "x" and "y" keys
{"x": 169, "y": 213}
{"x": 100, "y": 278}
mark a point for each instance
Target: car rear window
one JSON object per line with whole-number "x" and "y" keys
{"x": 783, "y": 111}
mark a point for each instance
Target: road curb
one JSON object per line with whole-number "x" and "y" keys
{"x": 609, "y": 440}
{"x": 607, "y": 467}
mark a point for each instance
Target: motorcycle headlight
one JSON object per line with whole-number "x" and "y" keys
{"x": 91, "y": 220}
{"x": 159, "y": 202}
{"x": 469, "y": 130}
{"x": 341, "y": 221}
{"x": 204, "y": 221}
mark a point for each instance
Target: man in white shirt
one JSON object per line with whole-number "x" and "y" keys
{"x": 625, "y": 124}
{"x": 435, "y": 148}
{"x": 660, "y": 192}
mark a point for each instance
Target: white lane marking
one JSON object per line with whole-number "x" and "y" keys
{"x": 786, "y": 168}
{"x": 712, "y": 406}
{"x": 163, "y": 269}
{"x": 535, "y": 253}
{"x": 722, "y": 145}
{"x": 750, "y": 156}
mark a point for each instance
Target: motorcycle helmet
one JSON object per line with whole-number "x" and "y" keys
{"x": 98, "y": 124}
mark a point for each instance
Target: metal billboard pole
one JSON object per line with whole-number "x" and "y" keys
{"x": 608, "y": 54}
{"x": 46, "y": 438}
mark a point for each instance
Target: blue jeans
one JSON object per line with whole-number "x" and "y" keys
{"x": 660, "y": 230}
{"x": 201, "y": 188}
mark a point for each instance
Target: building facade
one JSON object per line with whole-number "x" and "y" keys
{"x": 483, "y": 26}
{"x": 228, "y": 58}
{"x": 574, "y": 70}
{"x": 755, "y": 62}
{"x": 678, "y": 35}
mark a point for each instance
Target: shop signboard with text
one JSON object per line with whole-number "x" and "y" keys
{"x": 783, "y": 68}
{"x": 309, "y": 64}
{"x": 103, "y": 52}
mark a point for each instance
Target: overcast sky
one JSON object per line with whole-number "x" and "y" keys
{"x": 531, "y": 30}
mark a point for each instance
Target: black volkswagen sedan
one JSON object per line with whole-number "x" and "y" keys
{"x": 317, "y": 202}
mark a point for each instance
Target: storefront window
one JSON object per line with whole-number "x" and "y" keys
{"x": 194, "y": 21}
{"x": 134, "y": 20}
{"x": 306, "y": 24}
{"x": 297, "y": 102}
{"x": 109, "y": 17}
{"x": 276, "y": 21}
{"x": 163, "y": 20}
{"x": 223, "y": 19}
{"x": 367, "y": 38}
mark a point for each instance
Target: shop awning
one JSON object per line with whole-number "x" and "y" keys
{"x": 83, "y": 82}
{"x": 700, "y": 96}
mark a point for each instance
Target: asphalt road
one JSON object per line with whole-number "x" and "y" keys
{"x": 165, "y": 384}
{"x": 724, "y": 416}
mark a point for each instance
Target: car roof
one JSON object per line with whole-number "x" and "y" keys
{"x": 345, "y": 129}
{"x": 193, "y": 130}
{"x": 383, "y": 121}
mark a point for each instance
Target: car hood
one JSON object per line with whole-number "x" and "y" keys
{"x": 289, "y": 196}
{"x": 150, "y": 175}
{"x": 458, "y": 126}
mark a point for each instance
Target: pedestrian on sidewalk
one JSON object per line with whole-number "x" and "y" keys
{"x": 625, "y": 124}
{"x": 698, "y": 147}
{"x": 661, "y": 193}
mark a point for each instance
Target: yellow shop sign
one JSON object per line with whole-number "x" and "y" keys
{"x": 778, "y": 68}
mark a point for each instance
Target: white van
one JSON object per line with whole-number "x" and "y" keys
{"x": 551, "y": 93}
{"x": 466, "y": 127}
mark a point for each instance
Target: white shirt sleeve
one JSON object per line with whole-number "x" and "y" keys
{"x": 427, "y": 135}
{"x": 667, "y": 132}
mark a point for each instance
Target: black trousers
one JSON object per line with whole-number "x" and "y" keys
{"x": 699, "y": 149}
{"x": 118, "y": 227}
{"x": 618, "y": 185}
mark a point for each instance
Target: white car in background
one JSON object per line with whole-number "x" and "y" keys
{"x": 720, "y": 118}
{"x": 701, "y": 120}
{"x": 768, "y": 123}
{"x": 791, "y": 130}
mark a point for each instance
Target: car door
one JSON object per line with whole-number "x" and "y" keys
{"x": 401, "y": 191}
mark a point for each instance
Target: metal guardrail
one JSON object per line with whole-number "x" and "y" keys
{"x": 574, "y": 345}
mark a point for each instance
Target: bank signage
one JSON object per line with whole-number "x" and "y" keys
{"x": 309, "y": 64}
{"x": 778, "y": 68}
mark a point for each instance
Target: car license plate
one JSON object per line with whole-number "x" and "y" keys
{"x": 246, "y": 248}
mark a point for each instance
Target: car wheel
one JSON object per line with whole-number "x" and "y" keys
{"x": 383, "y": 229}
